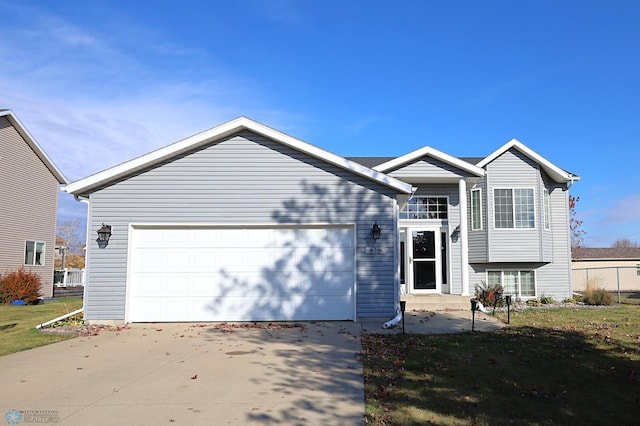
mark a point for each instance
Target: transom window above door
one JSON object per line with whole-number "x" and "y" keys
{"x": 426, "y": 208}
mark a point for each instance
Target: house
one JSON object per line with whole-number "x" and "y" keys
{"x": 29, "y": 194}
{"x": 245, "y": 223}
{"x": 611, "y": 268}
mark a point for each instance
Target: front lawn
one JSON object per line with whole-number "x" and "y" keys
{"x": 629, "y": 298}
{"x": 550, "y": 366}
{"x": 17, "y": 324}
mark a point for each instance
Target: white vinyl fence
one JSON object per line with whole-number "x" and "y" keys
{"x": 68, "y": 277}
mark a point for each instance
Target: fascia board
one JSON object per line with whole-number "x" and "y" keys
{"x": 558, "y": 174}
{"x": 33, "y": 144}
{"x": 85, "y": 185}
{"x": 431, "y": 152}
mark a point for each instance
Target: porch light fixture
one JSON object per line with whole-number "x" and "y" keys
{"x": 104, "y": 233}
{"x": 375, "y": 231}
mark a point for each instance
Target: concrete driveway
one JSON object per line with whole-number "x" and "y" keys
{"x": 191, "y": 374}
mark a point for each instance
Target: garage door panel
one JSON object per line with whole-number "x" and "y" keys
{"x": 242, "y": 274}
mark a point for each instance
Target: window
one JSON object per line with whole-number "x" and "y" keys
{"x": 547, "y": 211}
{"x": 515, "y": 283}
{"x": 514, "y": 208}
{"x": 476, "y": 210}
{"x": 426, "y": 208}
{"x": 34, "y": 253}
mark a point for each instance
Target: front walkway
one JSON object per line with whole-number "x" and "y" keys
{"x": 434, "y": 322}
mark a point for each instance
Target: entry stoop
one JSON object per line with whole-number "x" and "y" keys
{"x": 436, "y": 302}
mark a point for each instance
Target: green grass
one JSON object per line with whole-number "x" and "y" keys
{"x": 550, "y": 366}
{"x": 628, "y": 298}
{"x": 17, "y": 324}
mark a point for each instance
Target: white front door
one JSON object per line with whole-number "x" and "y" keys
{"x": 424, "y": 260}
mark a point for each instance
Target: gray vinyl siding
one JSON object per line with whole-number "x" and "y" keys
{"x": 547, "y": 252}
{"x": 244, "y": 179}
{"x": 29, "y": 194}
{"x": 514, "y": 170}
{"x": 428, "y": 168}
{"x": 554, "y": 278}
{"x": 478, "y": 239}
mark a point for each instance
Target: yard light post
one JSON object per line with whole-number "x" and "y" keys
{"x": 474, "y": 308}
{"x": 507, "y": 298}
{"x": 403, "y": 306}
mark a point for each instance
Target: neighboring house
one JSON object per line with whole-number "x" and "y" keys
{"x": 610, "y": 268}
{"x": 243, "y": 222}
{"x": 29, "y": 194}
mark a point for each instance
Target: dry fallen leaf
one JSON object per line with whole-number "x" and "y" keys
{"x": 194, "y": 377}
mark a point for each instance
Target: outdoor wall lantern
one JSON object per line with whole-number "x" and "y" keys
{"x": 375, "y": 231}
{"x": 104, "y": 233}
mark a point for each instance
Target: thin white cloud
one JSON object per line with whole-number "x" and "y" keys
{"x": 93, "y": 102}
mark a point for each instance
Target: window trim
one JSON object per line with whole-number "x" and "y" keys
{"x": 519, "y": 284}
{"x": 35, "y": 250}
{"x": 513, "y": 208}
{"x": 479, "y": 207}
{"x": 401, "y": 212}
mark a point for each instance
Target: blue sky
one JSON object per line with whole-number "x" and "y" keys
{"x": 99, "y": 82}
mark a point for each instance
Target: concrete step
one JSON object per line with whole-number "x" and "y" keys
{"x": 436, "y": 302}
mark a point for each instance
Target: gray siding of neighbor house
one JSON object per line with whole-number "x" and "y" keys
{"x": 244, "y": 179}
{"x": 29, "y": 194}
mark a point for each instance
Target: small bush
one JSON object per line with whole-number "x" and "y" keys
{"x": 597, "y": 296}
{"x": 20, "y": 285}
{"x": 546, "y": 300}
{"x": 533, "y": 302}
{"x": 490, "y": 295}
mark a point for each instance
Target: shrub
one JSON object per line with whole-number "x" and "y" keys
{"x": 490, "y": 295}
{"x": 546, "y": 300}
{"x": 20, "y": 285}
{"x": 596, "y": 296}
{"x": 533, "y": 302}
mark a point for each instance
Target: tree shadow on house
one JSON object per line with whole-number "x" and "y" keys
{"x": 311, "y": 266}
{"x": 311, "y": 275}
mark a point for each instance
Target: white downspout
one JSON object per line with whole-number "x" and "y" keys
{"x": 393, "y": 321}
{"x": 464, "y": 239}
{"x": 86, "y": 246}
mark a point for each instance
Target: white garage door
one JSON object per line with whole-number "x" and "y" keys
{"x": 249, "y": 274}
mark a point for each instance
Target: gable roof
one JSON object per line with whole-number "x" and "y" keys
{"x": 370, "y": 162}
{"x": 89, "y": 184}
{"x": 430, "y": 152}
{"x": 607, "y": 253}
{"x": 37, "y": 149}
{"x": 555, "y": 172}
